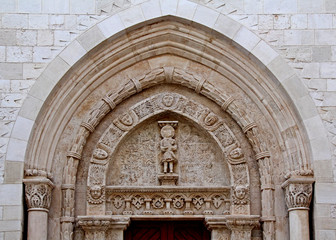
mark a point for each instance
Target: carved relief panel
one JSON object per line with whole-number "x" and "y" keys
{"x": 170, "y": 140}
{"x": 138, "y": 160}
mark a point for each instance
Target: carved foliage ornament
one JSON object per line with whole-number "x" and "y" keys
{"x": 198, "y": 201}
{"x": 155, "y": 202}
{"x": 138, "y": 201}
{"x": 298, "y": 195}
{"x": 217, "y": 201}
{"x": 158, "y": 202}
{"x": 178, "y": 202}
{"x": 38, "y": 195}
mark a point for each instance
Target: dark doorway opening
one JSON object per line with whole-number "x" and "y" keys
{"x": 167, "y": 230}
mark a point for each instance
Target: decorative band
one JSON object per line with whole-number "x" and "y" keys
{"x": 68, "y": 219}
{"x": 267, "y": 219}
{"x": 249, "y": 127}
{"x": 68, "y": 186}
{"x": 38, "y": 209}
{"x": 297, "y": 208}
{"x": 262, "y": 155}
{"x": 200, "y": 85}
{"x": 137, "y": 84}
{"x": 74, "y": 155}
{"x": 227, "y": 103}
{"x": 267, "y": 187}
{"x": 88, "y": 126}
{"x": 109, "y": 102}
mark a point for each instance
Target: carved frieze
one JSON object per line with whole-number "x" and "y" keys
{"x": 158, "y": 201}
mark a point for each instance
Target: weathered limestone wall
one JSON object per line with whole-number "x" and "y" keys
{"x": 34, "y": 32}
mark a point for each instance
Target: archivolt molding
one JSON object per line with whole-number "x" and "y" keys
{"x": 62, "y": 64}
{"x": 157, "y": 76}
{"x": 296, "y": 153}
{"x": 171, "y": 102}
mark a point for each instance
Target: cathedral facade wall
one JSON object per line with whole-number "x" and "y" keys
{"x": 34, "y": 34}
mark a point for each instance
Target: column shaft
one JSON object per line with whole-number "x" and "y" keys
{"x": 38, "y": 198}
{"x": 37, "y": 225}
{"x": 298, "y": 190}
{"x": 299, "y": 224}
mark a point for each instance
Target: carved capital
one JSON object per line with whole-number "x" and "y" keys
{"x": 95, "y": 227}
{"x": 215, "y": 222}
{"x": 240, "y": 222}
{"x": 38, "y": 193}
{"x": 241, "y": 226}
{"x": 298, "y": 192}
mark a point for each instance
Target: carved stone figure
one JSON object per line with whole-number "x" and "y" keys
{"x": 96, "y": 194}
{"x": 240, "y": 195}
{"x": 168, "y": 147}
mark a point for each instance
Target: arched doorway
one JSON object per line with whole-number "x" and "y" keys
{"x": 150, "y": 79}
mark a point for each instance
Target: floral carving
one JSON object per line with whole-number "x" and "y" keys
{"x": 299, "y": 195}
{"x": 137, "y": 201}
{"x": 217, "y": 201}
{"x": 158, "y": 202}
{"x": 38, "y": 195}
{"x": 155, "y": 201}
{"x": 118, "y": 201}
{"x": 198, "y": 202}
{"x": 178, "y": 202}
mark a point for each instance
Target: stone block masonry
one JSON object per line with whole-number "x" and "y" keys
{"x": 33, "y": 33}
